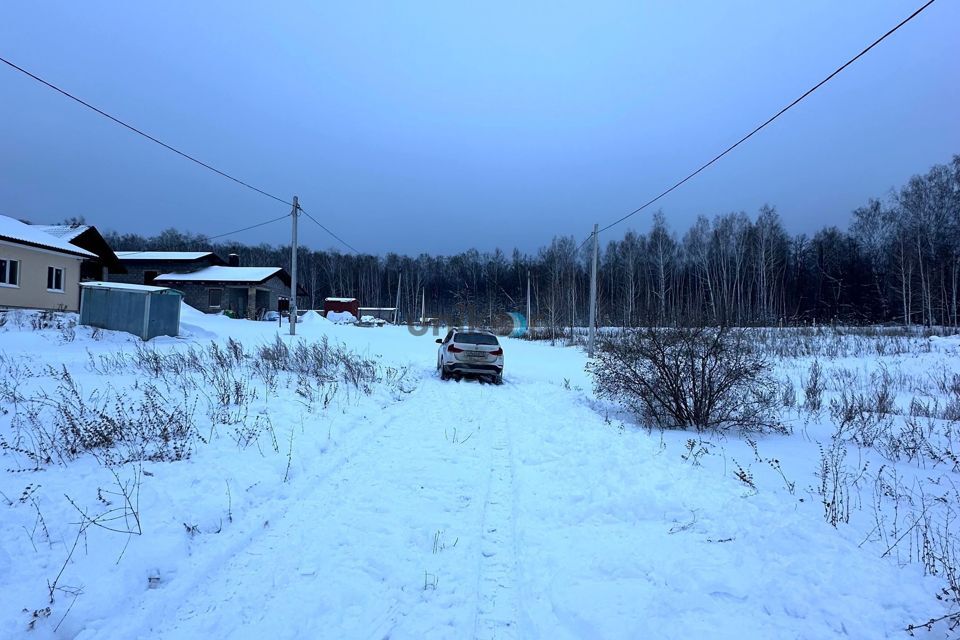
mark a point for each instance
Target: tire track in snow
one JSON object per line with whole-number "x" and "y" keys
{"x": 145, "y": 615}
{"x": 497, "y": 596}
{"x": 285, "y": 576}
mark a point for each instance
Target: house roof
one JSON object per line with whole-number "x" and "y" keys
{"x": 126, "y": 286}
{"x": 66, "y": 232}
{"x": 86, "y": 237}
{"x": 222, "y": 274}
{"x": 13, "y": 230}
{"x": 178, "y": 256}
{"x": 339, "y": 299}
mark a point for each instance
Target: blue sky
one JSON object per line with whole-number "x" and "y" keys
{"x": 392, "y": 121}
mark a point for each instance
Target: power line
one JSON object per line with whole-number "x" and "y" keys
{"x": 585, "y": 241}
{"x": 338, "y": 238}
{"x": 774, "y": 117}
{"x": 220, "y": 235}
{"x": 266, "y": 222}
{"x": 139, "y": 132}
{"x": 253, "y": 226}
{"x": 178, "y": 152}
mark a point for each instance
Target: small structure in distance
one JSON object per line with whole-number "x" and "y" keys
{"x": 340, "y": 306}
{"x": 384, "y": 314}
{"x": 145, "y": 311}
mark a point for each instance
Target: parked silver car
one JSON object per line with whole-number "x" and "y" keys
{"x": 470, "y": 352}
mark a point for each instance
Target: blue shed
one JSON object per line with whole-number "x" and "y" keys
{"x": 143, "y": 310}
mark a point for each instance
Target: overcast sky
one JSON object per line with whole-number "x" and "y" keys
{"x": 436, "y": 127}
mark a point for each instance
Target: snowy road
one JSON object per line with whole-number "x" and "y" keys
{"x": 410, "y": 535}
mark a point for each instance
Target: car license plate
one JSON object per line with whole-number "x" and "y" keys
{"x": 477, "y": 354}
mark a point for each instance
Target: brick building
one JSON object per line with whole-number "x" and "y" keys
{"x": 142, "y": 267}
{"x": 243, "y": 291}
{"x": 210, "y": 284}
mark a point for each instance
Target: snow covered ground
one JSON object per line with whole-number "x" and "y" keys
{"x": 335, "y": 504}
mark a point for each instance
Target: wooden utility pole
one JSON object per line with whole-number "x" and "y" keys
{"x": 293, "y": 267}
{"x": 593, "y": 293}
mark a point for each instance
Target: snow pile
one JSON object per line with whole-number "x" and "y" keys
{"x": 310, "y": 317}
{"x": 341, "y": 317}
{"x": 193, "y": 316}
{"x": 197, "y": 324}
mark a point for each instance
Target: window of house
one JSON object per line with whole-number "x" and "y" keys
{"x": 150, "y": 276}
{"x": 215, "y": 297}
{"x": 9, "y": 272}
{"x": 55, "y": 279}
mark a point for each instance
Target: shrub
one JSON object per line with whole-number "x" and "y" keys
{"x": 701, "y": 377}
{"x": 813, "y": 388}
{"x": 158, "y": 420}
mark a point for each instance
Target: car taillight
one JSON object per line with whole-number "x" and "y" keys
{"x": 498, "y": 352}
{"x": 454, "y": 349}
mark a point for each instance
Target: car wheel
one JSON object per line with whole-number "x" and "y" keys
{"x": 498, "y": 379}
{"x": 444, "y": 374}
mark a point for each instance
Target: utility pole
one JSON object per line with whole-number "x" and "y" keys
{"x": 528, "y": 301}
{"x": 573, "y": 307}
{"x": 396, "y": 310}
{"x": 593, "y": 293}
{"x": 293, "y": 268}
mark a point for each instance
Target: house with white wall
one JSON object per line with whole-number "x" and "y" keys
{"x": 38, "y": 270}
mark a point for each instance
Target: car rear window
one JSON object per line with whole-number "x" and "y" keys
{"x": 475, "y": 338}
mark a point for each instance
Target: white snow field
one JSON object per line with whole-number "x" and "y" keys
{"x": 393, "y": 505}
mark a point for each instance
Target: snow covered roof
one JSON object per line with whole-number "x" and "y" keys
{"x": 185, "y": 256}
{"x": 63, "y": 231}
{"x": 13, "y": 230}
{"x": 222, "y": 274}
{"x": 339, "y": 299}
{"x": 125, "y": 286}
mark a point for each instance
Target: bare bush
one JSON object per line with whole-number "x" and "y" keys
{"x": 114, "y": 426}
{"x": 704, "y": 378}
{"x": 813, "y": 387}
{"x": 845, "y": 342}
{"x": 158, "y": 420}
{"x": 839, "y": 484}
{"x": 921, "y": 528}
{"x": 858, "y": 418}
{"x": 788, "y": 393}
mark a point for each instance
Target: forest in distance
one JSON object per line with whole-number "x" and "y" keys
{"x": 898, "y": 261}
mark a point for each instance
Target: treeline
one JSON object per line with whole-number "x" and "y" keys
{"x": 898, "y": 261}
